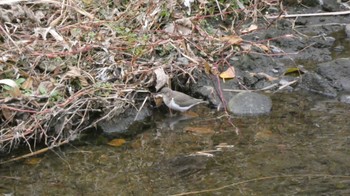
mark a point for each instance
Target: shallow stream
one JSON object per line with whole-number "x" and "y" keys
{"x": 301, "y": 148}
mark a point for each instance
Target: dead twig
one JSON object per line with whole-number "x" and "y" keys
{"x": 309, "y": 15}
{"x": 35, "y": 153}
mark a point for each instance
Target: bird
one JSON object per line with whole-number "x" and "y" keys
{"x": 178, "y": 101}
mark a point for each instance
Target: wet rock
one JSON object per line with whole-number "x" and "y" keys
{"x": 330, "y": 6}
{"x": 253, "y": 63}
{"x": 337, "y": 72}
{"x": 313, "y": 82}
{"x": 272, "y": 10}
{"x": 125, "y": 124}
{"x": 281, "y": 25}
{"x": 345, "y": 99}
{"x": 288, "y": 44}
{"x": 324, "y": 42}
{"x": 210, "y": 93}
{"x": 347, "y": 30}
{"x": 310, "y": 2}
{"x": 249, "y": 103}
{"x": 301, "y": 21}
{"x": 304, "y": 2}
{"x": 252, "y": 71}
{"x": 316, "y": 49}
{"x": 316, "y": 54}
{"x": 208, "y": 88}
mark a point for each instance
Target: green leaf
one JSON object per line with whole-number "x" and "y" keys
{"x": 42, "y": 90}
{"x": 19, "y": 81}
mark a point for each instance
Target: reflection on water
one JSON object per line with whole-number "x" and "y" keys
{"x": 301, "y": 148}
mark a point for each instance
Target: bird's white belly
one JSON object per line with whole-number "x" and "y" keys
{"x": 175, "y": 106}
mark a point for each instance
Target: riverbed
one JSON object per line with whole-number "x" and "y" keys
{"x": 301, "y": 148}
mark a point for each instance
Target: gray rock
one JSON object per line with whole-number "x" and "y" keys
{"x": 249, "y": 103}
{"x": 210, "y": 93}
{"x": 125, "y": 123}
{"x": 272, "y": 10}
{"x": 337, "y": 72}
{"x": 347, "y": 30}
{"x": 324, "y": 42}
{"x": 331, "y": 6}
{"x": 304, "y": 2}
{"x": 313, "y": 82}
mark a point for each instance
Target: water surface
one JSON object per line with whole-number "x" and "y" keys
{"x": 301, "y": 148}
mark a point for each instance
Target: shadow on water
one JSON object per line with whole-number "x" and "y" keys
{"x": 301, "y": 148}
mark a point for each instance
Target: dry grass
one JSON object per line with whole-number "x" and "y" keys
{"x": 79, "y": 62}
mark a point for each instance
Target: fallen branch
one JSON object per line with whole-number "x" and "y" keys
{"x": 35, "y": 153}
{"x": 309, "y": 15}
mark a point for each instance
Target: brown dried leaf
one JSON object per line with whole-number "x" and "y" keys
{"x": 207, "y": 68}
{"x": 32, "y": 161}
{"x": 265, "y": 75}
{"x": 162, "y": 78}
{"x": 14, "y": 92}
{"x": 180, "y": 26}
{"x": 232, "y": 39}
{"x": 116, "y": 142}
{"x": 87, "y": 2}
{"x": 246, "y": 47}
{"x": 262, "y": 47}
{"x": 45, "y": 87}
{"x": 202, "y": 130}
{"x": 264, "y": 135}
{"x": 28, "y": 84}
{"x": 183, "y": 30}
{"x": 158, "y": 101}
{"x": 190, "y": 114}
{"x": 229, "y": 73}
{"x": 75, "y": 72}
{"x": 249, "y": 29}
{"x": 8, "y": 114}
{"x": 170, "y": 28}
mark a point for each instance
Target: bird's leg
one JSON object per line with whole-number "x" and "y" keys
{"x": 171, "y": 113}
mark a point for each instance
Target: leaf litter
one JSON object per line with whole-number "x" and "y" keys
{"x": 82, "y": 62}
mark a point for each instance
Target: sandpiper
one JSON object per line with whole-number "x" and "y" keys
{"x": 177, "y": 100}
